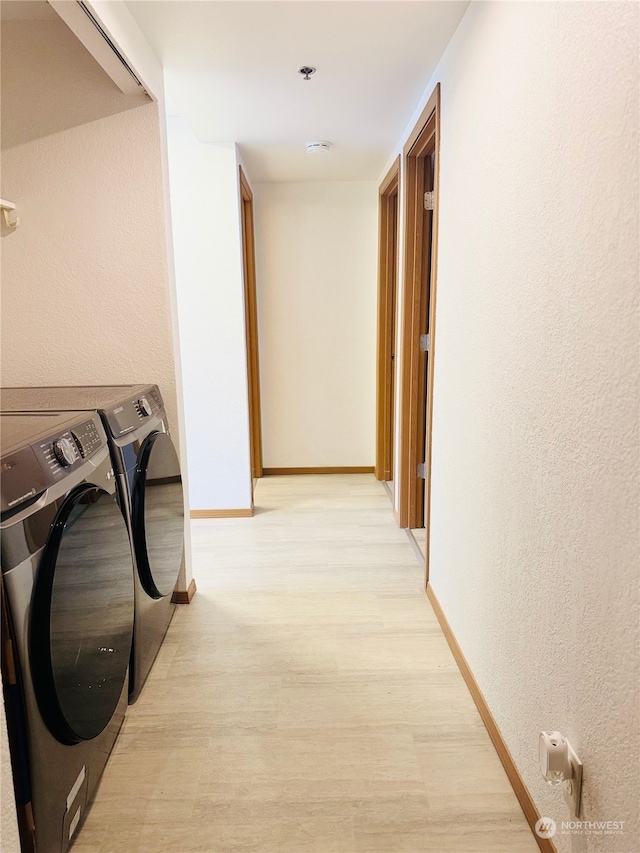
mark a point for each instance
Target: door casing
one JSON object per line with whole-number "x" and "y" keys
{"x": 251, "y": 326}
{"x": 387, "y": 303}
{"x": 419, "y": 317}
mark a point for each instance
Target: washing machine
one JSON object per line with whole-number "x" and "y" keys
{"x": 67, "y": 614}
{"x": 150, "y": 485}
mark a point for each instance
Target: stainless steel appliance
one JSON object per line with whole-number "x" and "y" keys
{"x": 150, "y": 486}
{"x": 68, "y": 612}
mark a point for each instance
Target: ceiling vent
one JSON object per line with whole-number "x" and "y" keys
{"x": 318, "y": 147}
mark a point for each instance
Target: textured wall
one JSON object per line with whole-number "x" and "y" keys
{"x": 208, "y": 257}
{"x": 85, "y": 295}
{"x": 316, "y": 280}
{"x": 50, "y": 82}
{"x": 534, "y": 549}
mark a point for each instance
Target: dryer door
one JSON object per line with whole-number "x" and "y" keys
{"x": 81, "y": 616}
{"x": 157, "y": 515}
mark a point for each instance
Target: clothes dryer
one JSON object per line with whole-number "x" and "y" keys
{"x": 150, "y": 484}
{"x": 67, "y": 582}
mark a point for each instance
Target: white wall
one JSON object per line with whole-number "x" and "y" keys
{"x": 84, "y": 278}
{"x": 86, "y": 286}
{"x": 205, "y": 206}
{"x": 534, "y": 543}
{"x": 316, "y": 282}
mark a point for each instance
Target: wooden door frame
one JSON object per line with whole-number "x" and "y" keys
{"x": 251, "y": 326}
{"x": 387, "y": 284}
{"x": 417, "y": 292}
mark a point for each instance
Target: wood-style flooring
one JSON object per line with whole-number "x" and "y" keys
{"x": 419, "y": 537}
{"x": 306, "y": 701}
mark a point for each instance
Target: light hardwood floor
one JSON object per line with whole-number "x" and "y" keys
{"x": 306, "y": 701}
{"x": 419, "y": 535}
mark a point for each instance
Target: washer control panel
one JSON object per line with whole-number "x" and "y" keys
{"x": 37, "y": 456}
{"x": 87, "y": 438}
{"x": 143, "y": 407}
{"x": 131, "y": 413}
{"x": 66, "y": 451}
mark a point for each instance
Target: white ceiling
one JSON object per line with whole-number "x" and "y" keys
{"x": 232, "y": 73}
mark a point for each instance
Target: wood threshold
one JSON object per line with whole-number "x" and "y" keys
{"x": 348, "y": 469}
{"x": 184, "y": 596}
{"x": 521, "y": 791}
{"x": 246, "y": 512}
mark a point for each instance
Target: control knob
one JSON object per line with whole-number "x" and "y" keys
{"x": 144, "y": 406}
{"x": 64, "y": 451}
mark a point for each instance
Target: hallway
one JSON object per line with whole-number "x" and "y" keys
{"x": 306, "y": 701}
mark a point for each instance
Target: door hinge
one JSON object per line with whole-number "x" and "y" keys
{"x": 429, "y": 200}
{"x": 422, "y": 470}
{"x": 425, "y": 343}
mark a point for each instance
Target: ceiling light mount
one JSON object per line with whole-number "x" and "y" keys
{"x": 307, "y": 71}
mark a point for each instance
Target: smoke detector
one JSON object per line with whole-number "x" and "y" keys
{"x": 318, "y": 147}
{"x": 307, "y": 71}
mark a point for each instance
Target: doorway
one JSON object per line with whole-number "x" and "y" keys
{"x": 251, "y": 327}
{"x": 387, "y": 319}
{"x": 421, "y": 155}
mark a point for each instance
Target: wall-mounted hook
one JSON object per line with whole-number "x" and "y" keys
{"x": 7, "y": 208}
